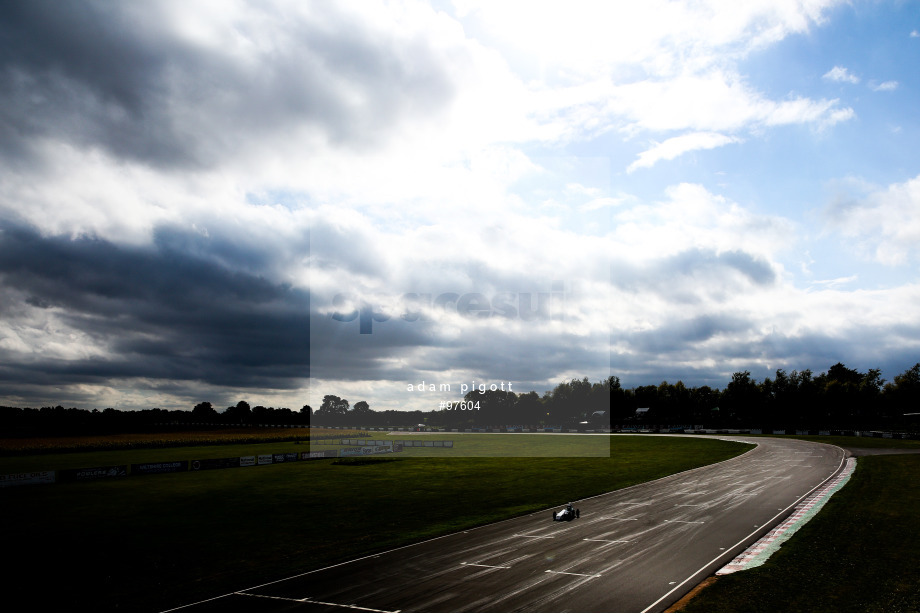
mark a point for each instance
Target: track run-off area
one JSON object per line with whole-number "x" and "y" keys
{"x": 637, "y": 549}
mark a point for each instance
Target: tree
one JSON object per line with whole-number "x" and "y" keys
{"x": 239, "y": 413}
{"x": 741, "y": 398}
{"x": 361, "y": 413}
{"x": 703, "y": 400}
{"x": 904, "y": 395}
{"x": 645, "y": 396}
{"x": 495, "y": 406}
{"x": 620, "y": 408}
{"x": 806, "y": 411}
{"x": 335, "y": 405}
{"x": 528, "y": 409}
{"x": 203, "y": 412}
{"x": 569, "y": 401}
{"x": 909, "y": 380}
{"x": 333, "y": 411}
{"x": 780, "y": 401}
{"x": 261, "y": 414}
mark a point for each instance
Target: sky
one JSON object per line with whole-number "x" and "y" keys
{"x": 276, "y": 201}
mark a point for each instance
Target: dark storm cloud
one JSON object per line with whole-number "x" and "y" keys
{"x": 891, "y": 349}
{"x": 407, "y": 351}
{"x": 696, "y": 263}
{"x": 163, "y": 313}
{"x": 79, "y": 40}
{"x": 84, "y": 73}
{"x": 635, "y": 372}
{"x": 693, "y": 274}
{"x": 682, "y": 335}
{"x": 113, "y": 75}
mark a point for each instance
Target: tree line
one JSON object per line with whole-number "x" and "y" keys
{"x": 58, "y": 420}
{"x": 840, "y": 398}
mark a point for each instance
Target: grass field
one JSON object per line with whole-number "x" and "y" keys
{"x": 513, "y": 445}
{"x": 10, "y": 446}
{"x": 858, "y": 555}
{"x": 149, "y": 543}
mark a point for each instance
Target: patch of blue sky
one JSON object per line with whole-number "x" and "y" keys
{"x": 274, "y": 197}
{"x": 863, "y": 56}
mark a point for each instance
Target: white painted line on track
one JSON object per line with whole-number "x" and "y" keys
{"x": 305, "y": 600}
{"x": 615, "y": 518}
{"x": 537, "y": 536}
{"x": 491, "y": 566}
{"x": 609, "y": 541}
{"x": 569, "y": 573}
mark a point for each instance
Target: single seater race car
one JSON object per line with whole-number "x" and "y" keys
{"x": 567, "y": 513}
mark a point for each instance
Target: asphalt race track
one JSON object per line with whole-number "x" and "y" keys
{"x": 633, "y": 550}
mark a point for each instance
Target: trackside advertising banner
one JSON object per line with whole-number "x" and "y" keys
{"x": 26, "y": 478}
{"x": 215, "y": 463}
{"x": 95, "y": 473}
{"x": 419, "y": 443}
{"x": 92, "y": 473}
{"x": 365, "y": 450}
{"x": 318, "y": 455}
{"x": 167, "y": 467}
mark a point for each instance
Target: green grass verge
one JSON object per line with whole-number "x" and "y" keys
{"x": 858, "y": 555}
{"x": 506, "y": 445}
{"x": 149, "y": 543}
{"x": 479, "y": 445}
{"x": 78, "y": 460}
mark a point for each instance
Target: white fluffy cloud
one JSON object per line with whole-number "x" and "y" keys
{"x": 841, "y": 75}
{"x": 883, "y": 223}
{"x": 886, "y": 86}
{"x": 679, "y": 145}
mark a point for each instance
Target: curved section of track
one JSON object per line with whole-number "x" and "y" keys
{"x": 633, "y": 550}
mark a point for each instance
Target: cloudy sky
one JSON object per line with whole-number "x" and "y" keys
{"x": 275, "y": 201}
